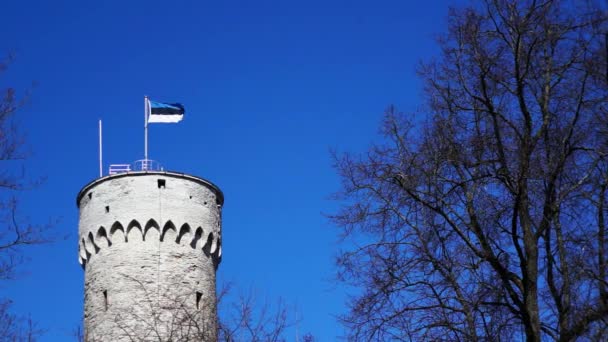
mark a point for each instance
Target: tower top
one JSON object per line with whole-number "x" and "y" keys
{"x": 218, "y": 193}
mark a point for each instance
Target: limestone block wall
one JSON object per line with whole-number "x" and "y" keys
{"x": 150, "y": 243}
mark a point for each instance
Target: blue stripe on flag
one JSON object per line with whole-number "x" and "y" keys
{"x": 162, "y": 105}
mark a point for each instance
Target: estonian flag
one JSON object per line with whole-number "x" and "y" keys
{"x": 165, "y": 112}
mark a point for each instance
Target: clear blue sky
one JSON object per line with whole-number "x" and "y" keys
{"x": 269, "y": 87}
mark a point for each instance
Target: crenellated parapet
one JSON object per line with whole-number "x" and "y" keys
{"x": 198, "y": 239}
{"x": 166, "y": 207}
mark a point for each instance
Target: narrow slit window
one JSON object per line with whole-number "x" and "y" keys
{"x": 107, "y": 208}
{"x": 90, "y": 195}
{"x": 199, "y": 295}
{"x": 161, "y": 183}
{"x": 105, "y": 299}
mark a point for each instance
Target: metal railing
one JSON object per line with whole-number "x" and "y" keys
{"x": 138, "y": 165}
{"x": 119, "y": 168}
{"x": 146, "y": 165}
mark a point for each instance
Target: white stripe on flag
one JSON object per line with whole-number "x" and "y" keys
{"x": 164, "y": 118}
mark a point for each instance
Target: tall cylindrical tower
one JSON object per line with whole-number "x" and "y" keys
{"x": 150, "y": 243}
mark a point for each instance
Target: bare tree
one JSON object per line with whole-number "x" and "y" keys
{"x": 245, "y": 319}
{"x": 165, "y": 316}
{"x": 15, "y": 232}
{"x": 14, "y": 328}
{"x": 484, "y": 220}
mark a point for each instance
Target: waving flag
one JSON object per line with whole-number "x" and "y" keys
{"x": 165, "y": 112}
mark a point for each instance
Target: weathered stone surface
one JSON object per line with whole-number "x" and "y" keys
{"x": 150, "y": 243}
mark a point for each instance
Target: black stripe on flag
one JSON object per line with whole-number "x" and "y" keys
{"x": 167, "y": 109}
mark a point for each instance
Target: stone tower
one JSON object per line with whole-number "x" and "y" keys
{"x": 150, "y": 243}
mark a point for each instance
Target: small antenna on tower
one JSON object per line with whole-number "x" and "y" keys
{"x": 100, "y": 152}
{"x": 297, "y": 324}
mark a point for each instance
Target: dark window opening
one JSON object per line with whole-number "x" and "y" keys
{"x": 161, "y": 183}
{"x": 190, "y": 196}
{"x": 90, "y": 195}
{"x": 105, "y": 299}
{"x": 199, "y": 295}
{"x": 205, "y": 203}
{"x": 107, "y": 208}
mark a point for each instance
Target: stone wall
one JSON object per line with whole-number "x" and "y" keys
{"x": 150, "y": 243}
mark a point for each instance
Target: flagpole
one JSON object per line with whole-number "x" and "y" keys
{"x": 100, "y": 152}
{"x": 144, "y": 165}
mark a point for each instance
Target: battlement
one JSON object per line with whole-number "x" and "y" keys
{"x": 150, "y": 206}
{"x": 208, "y": 243}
